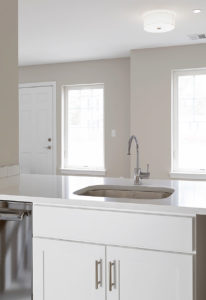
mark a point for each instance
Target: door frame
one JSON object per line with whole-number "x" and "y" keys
{"x": 53, "y": 85}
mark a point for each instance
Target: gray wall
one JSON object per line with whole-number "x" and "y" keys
{"x": 9, "y": 82}
{"x": 151, "y": 100}
{"x": 115, "y": 74}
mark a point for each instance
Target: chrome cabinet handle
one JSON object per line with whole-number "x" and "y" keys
{"x": 112, "y": 275}
{"x": 98, "y": 274}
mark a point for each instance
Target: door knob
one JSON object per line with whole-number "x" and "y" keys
{"x": 49, "y": 139}
{"x": 48, "y": 147}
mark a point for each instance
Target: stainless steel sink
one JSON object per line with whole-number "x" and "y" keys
{"x": 131, "y": 192}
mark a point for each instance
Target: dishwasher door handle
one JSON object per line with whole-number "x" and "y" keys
{"x": 11, "y": 216}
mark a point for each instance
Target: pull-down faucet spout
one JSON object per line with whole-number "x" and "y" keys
{"x": 133, "y": 137}
{"x": 138, "y": 174}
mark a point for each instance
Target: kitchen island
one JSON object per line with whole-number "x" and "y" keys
{"x": 87, "y": 247}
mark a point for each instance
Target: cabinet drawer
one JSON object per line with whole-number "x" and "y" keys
{"x": 148, "y": 231}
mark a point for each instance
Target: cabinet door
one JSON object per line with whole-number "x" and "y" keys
{"x": 68, "y": 271}
{"x": 148, "y": 275}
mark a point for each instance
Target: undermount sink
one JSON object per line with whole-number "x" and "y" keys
{"x": 131, "y": 192}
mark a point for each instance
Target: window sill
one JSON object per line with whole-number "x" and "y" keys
{"x": 65, "y": 171}
{"x": 189, "y": 176}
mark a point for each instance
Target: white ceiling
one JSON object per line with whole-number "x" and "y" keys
{"x": 52, "y": 31}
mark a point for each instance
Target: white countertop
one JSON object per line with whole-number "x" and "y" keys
{"x": 189, "y": 197}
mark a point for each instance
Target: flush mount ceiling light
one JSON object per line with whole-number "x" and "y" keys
{"x": 158, "y": 21}
{"x": 196, "y": 11}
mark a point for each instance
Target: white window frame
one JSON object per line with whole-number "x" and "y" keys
{"x": 79, "y": 171}
{"x": 175, "y": 172}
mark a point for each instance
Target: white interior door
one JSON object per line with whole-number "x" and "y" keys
{"x": 36, "y": 147}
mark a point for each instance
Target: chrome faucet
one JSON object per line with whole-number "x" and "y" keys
{"x": 138, "y": 174}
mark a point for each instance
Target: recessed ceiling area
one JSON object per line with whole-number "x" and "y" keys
{"x": 53, "y": 31}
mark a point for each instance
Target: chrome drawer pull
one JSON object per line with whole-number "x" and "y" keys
{"x": 112, "y": 275}
{"x": 98, "y": 278}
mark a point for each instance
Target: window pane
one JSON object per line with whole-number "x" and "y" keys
{"x": 85, "y": 129}
{"x": 192, "y": 122}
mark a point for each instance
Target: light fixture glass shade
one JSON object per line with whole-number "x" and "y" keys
{"x": 158, "y": 21}
{"x": 196, "y": 11}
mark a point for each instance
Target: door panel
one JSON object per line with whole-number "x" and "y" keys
{"x": 65, "y": 270}
{"x": 35, "y": 130}
{"x": 146, "y": 275}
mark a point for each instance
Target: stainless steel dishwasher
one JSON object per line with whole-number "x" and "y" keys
{"x": 15, "y": 250}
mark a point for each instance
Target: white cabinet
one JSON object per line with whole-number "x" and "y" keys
{"x": 140, "y": 274}
{"x": 65, "y": 270}
{"x": 107, "y": 255}
{"x": 135, "y": 230}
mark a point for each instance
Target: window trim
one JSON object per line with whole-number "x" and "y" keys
{"x": 75, "y": 170}
{"x": 188, "y": 176}
{"x": 83, "y": 172}
{"x": 175, "y": 171}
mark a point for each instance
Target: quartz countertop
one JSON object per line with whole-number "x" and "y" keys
{"x": 189, "y": 197}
